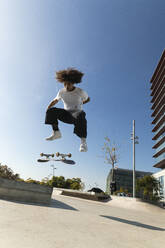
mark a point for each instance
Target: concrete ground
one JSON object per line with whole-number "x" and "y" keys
{"x": 72, "y": 222}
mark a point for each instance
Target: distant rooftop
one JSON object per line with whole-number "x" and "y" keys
{"x": 128, "y": 170}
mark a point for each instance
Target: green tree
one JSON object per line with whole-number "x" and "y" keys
{"x": 148, "y": 188}
{"x": 68, "y": 183}
{"x": 61, "y": 182}
{"x": 45, "y": 181}
{"x": 76, "y": 183}
{"x": 30, "y": 180}
{"x": 58, "y": 182}
{"x": 6, "y": 172}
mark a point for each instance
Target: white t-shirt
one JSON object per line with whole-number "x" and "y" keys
{"x": 72, "y": 100}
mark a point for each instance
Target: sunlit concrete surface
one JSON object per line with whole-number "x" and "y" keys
{"x": 133, "y": 203}
{"x": 72, "y": 222}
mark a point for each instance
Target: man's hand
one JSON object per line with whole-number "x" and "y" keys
{"x": 52, "y": 104}
{"x": 88, "y": 100}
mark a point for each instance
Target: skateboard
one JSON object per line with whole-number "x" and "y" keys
{"x": 62, "y": 158}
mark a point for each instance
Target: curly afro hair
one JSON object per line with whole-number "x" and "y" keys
{"x": 70, "y": 75}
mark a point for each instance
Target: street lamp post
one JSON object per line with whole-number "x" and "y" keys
{"x": 113, "y": 162}
{"x": 135, "y": 141}
{"x": 53, "y": 169}
{"x": 113, "y": 159}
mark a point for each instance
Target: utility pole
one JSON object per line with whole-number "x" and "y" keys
{"x": 113, "y": 159}
{"x": 135, "y": 141}
{"x": 53, "y": 169}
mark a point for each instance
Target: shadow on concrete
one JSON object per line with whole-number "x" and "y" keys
{"x": 53, "y": 204}
{"x": 58, "y": 204}
{"x": 134, "y": 223}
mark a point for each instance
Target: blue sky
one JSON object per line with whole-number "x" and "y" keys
{"x": 116, "y": 43}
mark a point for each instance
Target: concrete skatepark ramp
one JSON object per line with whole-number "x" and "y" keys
{"x": 132, "y": 204}
{"x": 114, "y": 201}
{"x": 76, "y": 193}
{"x": 25, "y": 192}
{"x": 73, "y": 222}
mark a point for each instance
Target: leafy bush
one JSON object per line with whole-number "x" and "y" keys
{"x": 148, "y": 188}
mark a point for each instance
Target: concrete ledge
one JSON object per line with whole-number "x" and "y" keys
{"x": 132, "y": 203}
{"x": 79, "y": 194}
{"x": 25, "y": 192}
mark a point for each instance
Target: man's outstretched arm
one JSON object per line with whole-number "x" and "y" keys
{"x": 88, "y": 100}
{"x": 54, "y": 102}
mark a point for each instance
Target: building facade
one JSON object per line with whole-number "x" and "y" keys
{"x": 123, "y": 179}
{"x": 158, "y": 112}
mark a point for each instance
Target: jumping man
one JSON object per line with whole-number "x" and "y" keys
{"x": 73, "y": 98}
